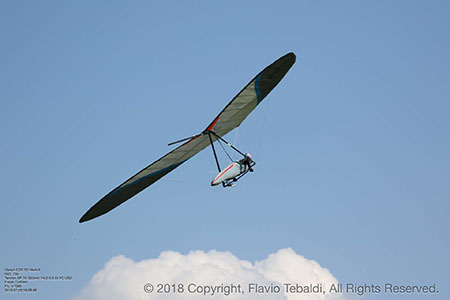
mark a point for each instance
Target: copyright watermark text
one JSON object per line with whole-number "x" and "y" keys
{"x": 227, "y": 289}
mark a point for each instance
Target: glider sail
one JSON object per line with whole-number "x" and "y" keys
{"x": 229, "y": 118}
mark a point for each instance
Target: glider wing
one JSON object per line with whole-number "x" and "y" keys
{"x": 147, "y": 176}
{"x": 228, "y": 119}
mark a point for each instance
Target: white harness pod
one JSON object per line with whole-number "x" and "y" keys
{"x": 229, "y": 172}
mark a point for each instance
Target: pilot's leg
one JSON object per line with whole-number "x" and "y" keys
{"x": 249, "y": 167}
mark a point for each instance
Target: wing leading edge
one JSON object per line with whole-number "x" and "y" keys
{"x": 228, "y": 119}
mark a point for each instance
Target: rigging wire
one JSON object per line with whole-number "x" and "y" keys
{"x": 262, "y": 128}
{"x": 220, "y": 143}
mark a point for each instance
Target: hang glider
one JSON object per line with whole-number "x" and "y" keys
{"x": 229, "y": 118}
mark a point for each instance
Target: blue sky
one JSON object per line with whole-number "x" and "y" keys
{"x": 352, "y": 146}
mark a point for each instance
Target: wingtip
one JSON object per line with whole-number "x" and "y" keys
{"x": 292, "y": 55}
{"x": 86, "y": 217}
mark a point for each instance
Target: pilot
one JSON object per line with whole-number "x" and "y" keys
{"x": 246, "y": 161}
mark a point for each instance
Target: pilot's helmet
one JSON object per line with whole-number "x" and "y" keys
{"x": 248, "y": 155}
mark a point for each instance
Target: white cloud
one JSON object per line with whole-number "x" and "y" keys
{"x": 124, "y": 279}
